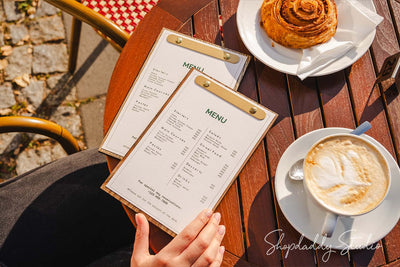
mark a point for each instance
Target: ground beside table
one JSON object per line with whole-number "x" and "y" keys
{"x": 343, "y": 99}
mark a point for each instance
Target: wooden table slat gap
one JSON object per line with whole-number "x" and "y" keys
{"x": 394, "y": 18}
{"x": 374, "y": 60}
{"x": 291, "y": 110}
{"x": 245, "y": 241}
{"x": 392, "y": 131}
{"x": 274, "y": 200}
{"x": 326, "y": 90}
{"x": 193, "y": 26}
{"x": 353, "y": 106}
{"x": 389, "y": 119}
{"x": 304, "y": 109}
{"x": 321, "y": 103}
{"x": 272, "y": 188}
{"x": 256, "y": 96}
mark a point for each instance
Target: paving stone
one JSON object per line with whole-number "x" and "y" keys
{"x": 45, "y": 9}
{"x": 67, "y": 117}
{"x": 35, "y": 92}
{"x": 19, "y": 62}
{"x": 7, "y": 98}
{"x": 18, "y": 32}
{"x": 92, "y": 122}
{"x": 32, "y": 158}
{"x": 9, "y": 142}
{"x": 48, "y": 58}
{"x": 47, "y": 29}
{"x": 11, "y": 11}
{"x": 53, "y": 80}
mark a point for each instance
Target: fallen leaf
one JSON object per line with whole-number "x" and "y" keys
{"x": 31, "y": 109}
{"x": 25, "y": 78}
{"x": 31, "y": 10}
{"x": 6, "y": 50}
{"x": 20, "y": 82}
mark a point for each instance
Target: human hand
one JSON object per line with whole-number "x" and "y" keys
{"x": 197, "y": 245}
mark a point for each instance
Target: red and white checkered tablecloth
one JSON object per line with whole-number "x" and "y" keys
{"x": 126, "y": 14}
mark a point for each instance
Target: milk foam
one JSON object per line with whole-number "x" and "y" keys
{"x": 347, "y": 174}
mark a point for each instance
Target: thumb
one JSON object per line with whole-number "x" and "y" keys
{"x": 141, "y": 246}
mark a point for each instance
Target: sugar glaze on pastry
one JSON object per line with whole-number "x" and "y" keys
{"x": 299, "y": 23}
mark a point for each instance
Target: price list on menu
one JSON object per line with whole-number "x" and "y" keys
{"x": 191, "y": 153}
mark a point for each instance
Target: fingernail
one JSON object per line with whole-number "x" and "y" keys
{"x": 209, "y": 213}
{"x": 221, "y": 229}
{"x": 136, "y": 218}
{"x": 217, "y": 216}
{"x": 221, "y": 250}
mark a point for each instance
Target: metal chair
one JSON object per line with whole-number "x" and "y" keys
{"x": 114, "y": 19}
{"x": 40, "y": 126}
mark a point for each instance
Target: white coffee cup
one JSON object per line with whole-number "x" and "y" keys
{"x": 345, "y": 175}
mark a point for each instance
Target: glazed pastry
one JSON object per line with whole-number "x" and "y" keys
{"x": 299, "y": 23}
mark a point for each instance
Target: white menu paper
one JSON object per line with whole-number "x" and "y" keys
{"x": 163, "y": 70}
{"x": 191, "y": 153}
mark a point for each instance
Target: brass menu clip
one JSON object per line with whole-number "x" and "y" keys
{"x": 247, "y": 106}
{"x": 202, "y": 48}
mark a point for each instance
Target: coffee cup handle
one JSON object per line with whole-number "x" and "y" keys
{"x": 329, "y": 224}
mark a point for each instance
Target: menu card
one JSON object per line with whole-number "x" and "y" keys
{"x": 191, "y": 153}
{"x": 172, "y": 56}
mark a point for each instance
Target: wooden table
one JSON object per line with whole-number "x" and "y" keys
{"x": 343, "y": 99}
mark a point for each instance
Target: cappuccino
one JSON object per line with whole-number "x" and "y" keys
{"x": 347, "y": 174}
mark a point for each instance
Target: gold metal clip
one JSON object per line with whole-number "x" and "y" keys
{"x": 228, "y": 95}
{"x": 212, "y": 51}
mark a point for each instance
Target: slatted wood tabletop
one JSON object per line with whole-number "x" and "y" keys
{"x": 343, "y": 99}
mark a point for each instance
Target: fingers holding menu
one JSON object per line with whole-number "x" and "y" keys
{"x": 199, "y": 244}
{"x": 214, "y": 253}
{"x": 190, "y": 232}
{"x": 204, "y": 248}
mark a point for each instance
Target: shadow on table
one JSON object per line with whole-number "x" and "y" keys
{"x": 376, "y": 105}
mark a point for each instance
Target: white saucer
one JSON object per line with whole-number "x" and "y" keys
{"x": 350, "y": 233}
{"x": 284, "y": 59}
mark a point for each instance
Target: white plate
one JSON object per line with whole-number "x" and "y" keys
{"x": 350, "y": 233}
{"x": 281, "y": 58}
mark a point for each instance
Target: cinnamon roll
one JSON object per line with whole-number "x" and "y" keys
{"x": 299, "y": 23}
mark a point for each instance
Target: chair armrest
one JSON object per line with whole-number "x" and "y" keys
{"x": 40, "y": 126}
{"x": 92, "y": 18}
